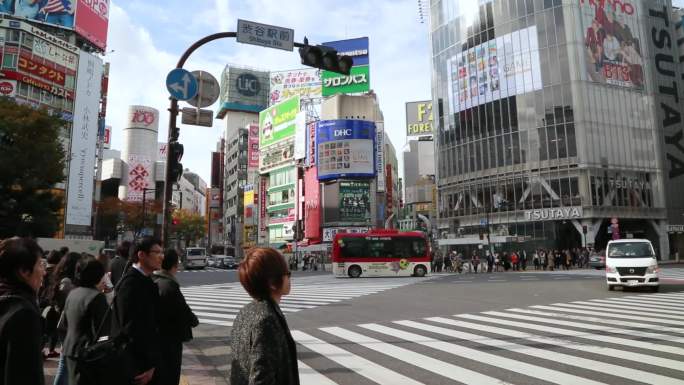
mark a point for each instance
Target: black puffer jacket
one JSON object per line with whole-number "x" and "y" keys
{"x": 21, "y": 360}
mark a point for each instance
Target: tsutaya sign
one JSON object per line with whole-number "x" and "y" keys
{"x": 552, "y": 214}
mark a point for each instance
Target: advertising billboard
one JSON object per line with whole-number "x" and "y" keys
{"x": 248, "y": 203}
{"x": 355, "y": 201}
{"x": 305, "y": 83}
{"x": 345, "y": 148}
{"x": 506, "y": 66}
{"x": 278, "y": 122}
{"x": 56, "y": 12}
{"x": 253, "y": 146}
{"x": 92, "y": 19}
{"x": 312, "y": 207}
{"x": 419, "y": 118}
{"x": 612, "y": 44}
{"x": 380, "y": 155}
{"x": 359, "y": 78}
{"x": 107, "y": 138}
{"x": 83, "y": 141}
{"x": 52, "y": 53}
{"x": 243, "y": 89}
{"x": 139, "y": 177}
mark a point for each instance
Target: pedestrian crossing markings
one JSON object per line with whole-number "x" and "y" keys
{"x": 623, "y": 340}
{"x": 218, "y": 304}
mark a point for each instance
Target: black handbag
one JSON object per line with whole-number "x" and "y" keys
{"x": 105, "y": 360}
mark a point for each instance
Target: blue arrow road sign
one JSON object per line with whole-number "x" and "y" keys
{"x": 181, "y": 84}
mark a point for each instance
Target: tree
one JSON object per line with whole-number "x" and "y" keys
{"x": 33, "y": 161}
{"x": 118, "y": 216}
{"x": 188, "y": 226}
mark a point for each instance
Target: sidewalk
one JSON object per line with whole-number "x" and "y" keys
{"x": 194, "y": 372}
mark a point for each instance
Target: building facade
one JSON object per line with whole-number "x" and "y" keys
{"x": 549, "y": 126}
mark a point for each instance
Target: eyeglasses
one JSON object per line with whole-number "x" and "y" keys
{"x": 289, "y": 274}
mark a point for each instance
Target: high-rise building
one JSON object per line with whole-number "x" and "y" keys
{"x": 557, "y": 123}
{"x": 47, "y": 61}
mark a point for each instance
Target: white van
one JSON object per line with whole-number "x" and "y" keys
{"x": 195, "y": 258}
{"x": 631, "y": 263}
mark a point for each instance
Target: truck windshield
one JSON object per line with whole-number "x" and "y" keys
{"x": 631, "y": 250}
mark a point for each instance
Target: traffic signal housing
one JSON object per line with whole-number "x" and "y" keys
{"x": 325, "y": 58}
{"x": 174, "y": 157}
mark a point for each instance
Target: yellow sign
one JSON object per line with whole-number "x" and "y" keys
{"x": 419, "y": 118}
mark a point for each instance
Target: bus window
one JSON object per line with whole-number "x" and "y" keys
{"x": 353, "y": 247}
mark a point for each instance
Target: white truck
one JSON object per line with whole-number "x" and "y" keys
{"x": 77, "y": 245}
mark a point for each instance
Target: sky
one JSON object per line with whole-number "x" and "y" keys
{"x": 146, "y": 39}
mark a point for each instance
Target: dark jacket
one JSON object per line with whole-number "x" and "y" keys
{"x": 176, "y": 318}
{"x": 84, "y": 312}
{"x": 264, "y": 352}
{"x": 176, "y": 321}
{"x": 135, "y": 315}
{"x": 117, "y": 267}
{"x": 21, "y": 359}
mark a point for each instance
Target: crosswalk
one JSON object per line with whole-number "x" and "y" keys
{"x": 671, "y": 273}
{"x": 218, "y": 304}
{"x": 205, "y": 270}
{"x": 635, "y": 339}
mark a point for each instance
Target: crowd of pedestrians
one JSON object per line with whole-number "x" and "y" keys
{"x": 515, "y": 260}
{"x": 78, "y": 300}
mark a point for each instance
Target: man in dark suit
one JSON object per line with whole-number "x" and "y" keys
{"x": 176, "y": 320}
{"x": 136, "y": 307}
{"x": 118, "y": 264}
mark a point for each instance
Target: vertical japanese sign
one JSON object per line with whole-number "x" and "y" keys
{"x": 262, "y": 207}
{"x": 83, "y": 141}
{"x": 354, "y": 201}
{"x": 312, "y": 206}
{"x": 253, "y": 146}
{"x": 380, "y": 155}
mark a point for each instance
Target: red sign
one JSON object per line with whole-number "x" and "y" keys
{"x": 8, "y": 87}
{"x": 61, "y": 92}
{"x": 262, "y": 204}
{"x": 107, "y": 136}
{"x": 312, "y": 144}
{"x": 92, "y": 19}
{"x": 312, "y": 204}
{"x": 143, "y": 116}
{"x": 45, "y": 71}
{"x": 253, "y": 146}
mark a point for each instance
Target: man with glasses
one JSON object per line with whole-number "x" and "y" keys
{"x": 135, "y": 315}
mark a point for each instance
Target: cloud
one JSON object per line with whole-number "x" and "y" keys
{"x": 144, "y": 53}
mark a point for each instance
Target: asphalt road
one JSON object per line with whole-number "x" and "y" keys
{"x": 515, "y": 327}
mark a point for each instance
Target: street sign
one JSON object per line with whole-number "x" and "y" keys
{"x": 181, "y": 84}
{"x": 208, "y": 90}
{"x": 197, "y": 117}
{"x": 271, "y": 36}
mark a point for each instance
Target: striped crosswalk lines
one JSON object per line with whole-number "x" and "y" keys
{"x": 218, "y": 304}
{"x": 635, "y": 339}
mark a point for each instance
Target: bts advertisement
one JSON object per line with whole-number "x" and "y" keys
{"x": 506, "y": 66}
{"x": 345, "y": 148}
{"x": 613, "y": 50}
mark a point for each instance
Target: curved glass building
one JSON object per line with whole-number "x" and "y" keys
{"x": 550, "y": 129}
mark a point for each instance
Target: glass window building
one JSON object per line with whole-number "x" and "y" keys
{"x": 549, "y": 126}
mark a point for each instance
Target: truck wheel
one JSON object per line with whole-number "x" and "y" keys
{"x": 419, "y": 271}
{"x": 355, "y": 271}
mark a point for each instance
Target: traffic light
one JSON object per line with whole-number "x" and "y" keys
{"x": 325, "y": 58}
{"x": 584, "y": 229}
{"x": 174, "y": 157}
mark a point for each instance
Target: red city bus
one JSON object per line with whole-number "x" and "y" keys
{"x": 381, "y": 253}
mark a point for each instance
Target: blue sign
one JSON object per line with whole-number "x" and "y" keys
{"x": 345, "y": 148}
{"x": 356, "y": 48}
{"x": 182, "y": 85}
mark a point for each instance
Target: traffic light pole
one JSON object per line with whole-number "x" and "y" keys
{"x": 174, "y": 131}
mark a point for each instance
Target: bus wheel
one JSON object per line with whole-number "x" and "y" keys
{"x": 419, "y": 271}
{"x": 355, "y": 271}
